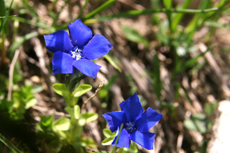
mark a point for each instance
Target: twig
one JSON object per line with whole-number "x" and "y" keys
{"x": 95, "y": 94}
{"x": 11, "y": 73}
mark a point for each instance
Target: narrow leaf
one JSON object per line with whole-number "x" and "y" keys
{"x": 111, "y": 61}
{"x": 132, "y": 35}
{"x": 99, "y": 9}
{"x": 167, "y": 4}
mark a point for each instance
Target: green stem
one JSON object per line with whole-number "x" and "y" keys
{"x": 6, "y": 14}
{"x": 9, "y": 144}
{"x": 117, "y": 139}
{"x": 83, "y": 8}
{"x": 99, "y": 9}
{"x": 37, "y": 24}
{"x": 58, "y": 14}
{"x": 150, "y": 11}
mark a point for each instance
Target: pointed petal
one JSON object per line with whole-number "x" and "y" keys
{"x": 58, "y": 41}
{"x": 87, "y": 67}
{"x": 80, "y": 34}
{"x": 124, "y": 140}
{"x": 145, "y": 140}
{"x": 97, "y": 47}
{"x": 114, "y": 119}
{"x": 62, "y": 63}
{"x": 148, "y": 119}
{"x": 132, "y": 108}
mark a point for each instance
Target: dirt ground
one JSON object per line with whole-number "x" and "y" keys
{"x": 208, "y": 85}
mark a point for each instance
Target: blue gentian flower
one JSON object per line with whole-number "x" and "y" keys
{"x": 77, "y": 51}
{"x": 136, "y": 124}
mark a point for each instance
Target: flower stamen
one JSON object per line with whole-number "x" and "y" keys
{"x": 130, "y": 127}
{"x": 76, "y": 53}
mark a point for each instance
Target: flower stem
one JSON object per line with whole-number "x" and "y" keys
{"x": 117, "y": 139}
{"x": 73, "y": 80}
{"x": 9, "y": 144}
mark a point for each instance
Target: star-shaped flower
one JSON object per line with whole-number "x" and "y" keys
{"x": 136, "y": 124}
{"x": 77, "y": 51}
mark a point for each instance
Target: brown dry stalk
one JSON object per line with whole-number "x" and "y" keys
{"x": 11, "y": 74}
{"x": 94, "y": 95}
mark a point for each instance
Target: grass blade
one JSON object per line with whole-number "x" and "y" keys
{"x": 9, "y": 144}
{"x": 16, "y": 44}
{"x": 151, "y": 11}
{"x": 167, "y": 4}
{"x": 6, "y": 14}
{"x": 99, "y": 9}
{"x": 83, "y": 8}
{"x": 178, "y": 17}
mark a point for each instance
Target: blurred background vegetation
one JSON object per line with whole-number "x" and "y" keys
{"x": 173, "y": 53}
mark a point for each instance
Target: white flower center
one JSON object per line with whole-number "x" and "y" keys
{"x": 76, "y": 53}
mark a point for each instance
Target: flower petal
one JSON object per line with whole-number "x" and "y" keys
{"x": 145, "y": 139}
{"x": 114, "y": 119}
{"x": 58, "y": 41}
{"x": 80, "y": 34}
{"x": 97, "y": 47}
{"x": 62, "y": 63}
{"x": 132, "y": 108}
{"x": 87, "y": 67}
{"x": 124, "y": 140}
{"x": 148, "y": 119}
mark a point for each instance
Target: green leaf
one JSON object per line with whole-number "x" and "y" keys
{"x": 46, "y": 120}
{"x": 111, "y": 61}
{"x": 62, "y": 124}
{"x": 86, "y": 142}
{"x": 61, "y": 89}
{"x": 132, "y": 35}
{"x": 87, "y": 117}
{"x": 54, "y": 146}
{"x": 188, "y": 123}
{"x": 4, "y": 13}
{"x": 81, "y": 89}
{"x": 2, "y": 8}
{"x": 197, "y": 122}
{"x": 107, "y": 133}
{"x": 178, "y": 17}
{"x": 210, "y": 107}
{"x": 199, "y": 116}
{"x": 77, "y": 111}
{"x": 191, "y": 62}
{"x": 167, "y": 4}
{"x": 171, "y": 106}
{"x": 37, "y": 89}
{"x": 70, "y": 111}
{"x": 107, "y": 141}
{"x": 31, "y": 103}
{"x": 133, "y": 148}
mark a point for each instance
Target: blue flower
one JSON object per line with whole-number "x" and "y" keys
{"x": 77, "y": 51}
{"x": 136, "y": 124}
